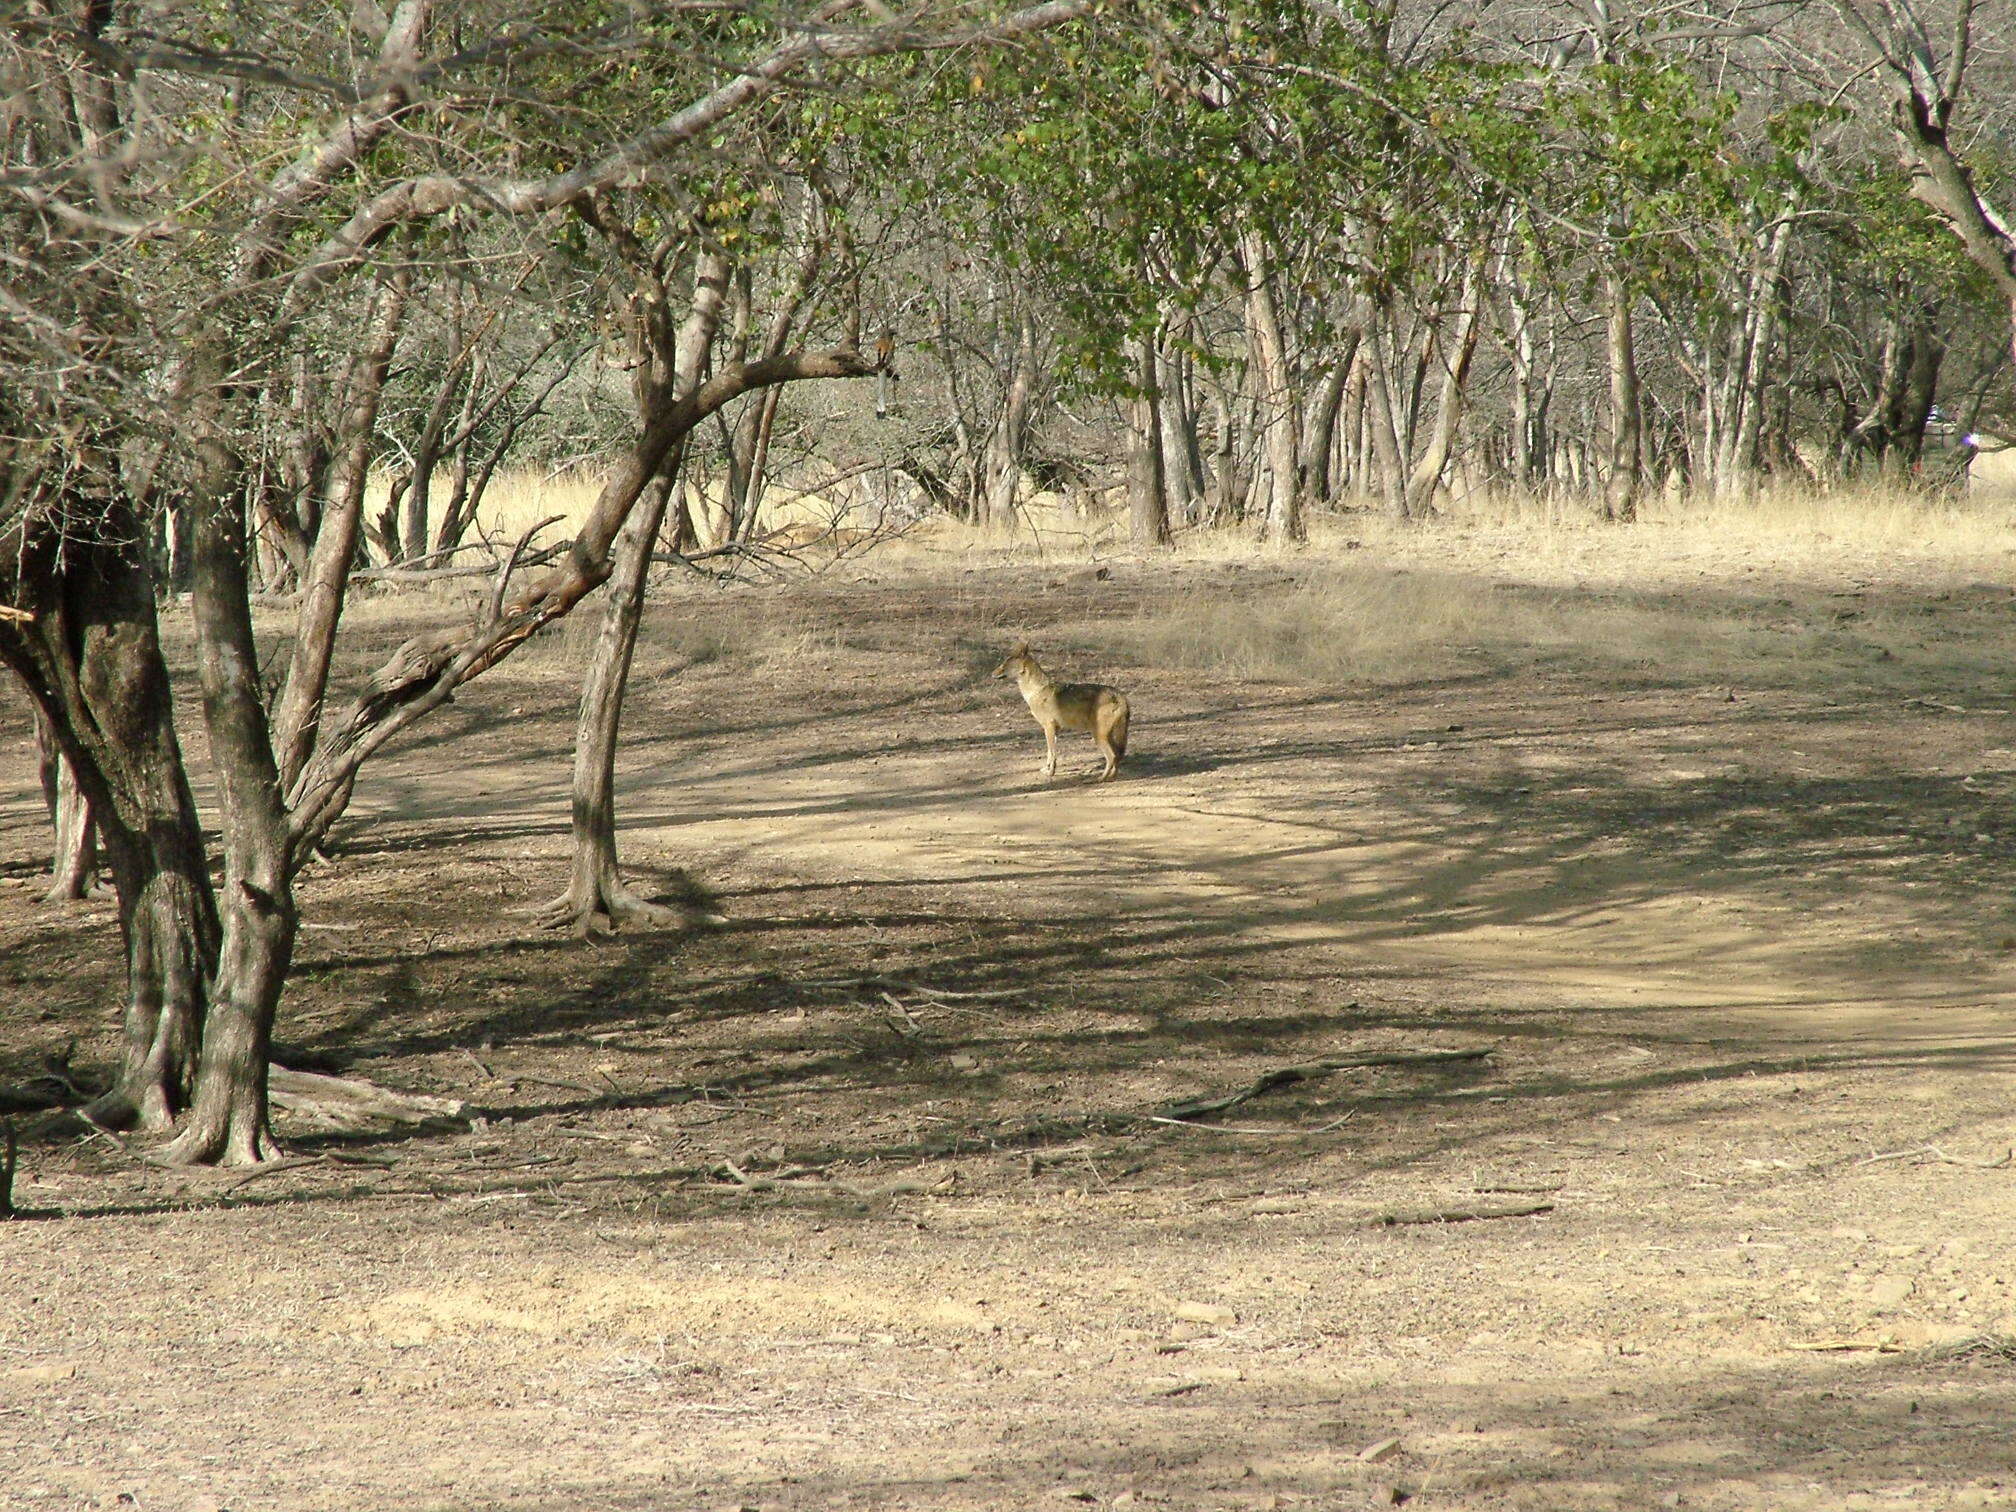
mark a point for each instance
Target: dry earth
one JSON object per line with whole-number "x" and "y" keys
{"x": 755, "y": 1217}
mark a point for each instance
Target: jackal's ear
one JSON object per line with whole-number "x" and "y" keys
{"x": 1020, "y": 648}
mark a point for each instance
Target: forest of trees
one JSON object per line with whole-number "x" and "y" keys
{"x": 286, "y": 284}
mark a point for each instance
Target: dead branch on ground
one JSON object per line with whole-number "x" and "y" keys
{"x": 1403, "y": 1216}
{"x": 1283, "y": 1076}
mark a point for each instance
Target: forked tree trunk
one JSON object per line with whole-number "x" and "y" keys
{"x": 1319, "y": 444}
{"x": 1008, "y": 439}
{"x": 1267, "y": 348}
{"x": 1386, "y": 450}
{"x": 1457, "y": 357}
{"x": 326, "y": 580}
{"x": 597, "y": 899}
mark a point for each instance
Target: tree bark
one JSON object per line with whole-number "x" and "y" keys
{"x": 1267, "y": 347}
{"x": 326, "y": 581}
{"x": 73, "y": 867}
{"x": 227, "y": 1121}
{"x": 1009, "y": 437}
{"x": 91, "y": 659}
{"x": 597, "y": 899}
{"x": 1147, "y": 492}
{"x": 1621, "y": 485}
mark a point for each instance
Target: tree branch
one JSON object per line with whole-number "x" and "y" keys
{"x": 431, "y": 195}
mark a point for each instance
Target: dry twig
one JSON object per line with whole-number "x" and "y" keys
{"x": 1460, "y": 1215}
{"x": 1283, "y": 1076}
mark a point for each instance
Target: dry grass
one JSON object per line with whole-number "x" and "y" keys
{"x": 1786, "y": 589}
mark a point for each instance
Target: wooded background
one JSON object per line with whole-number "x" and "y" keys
{"x": 287, "y": 287}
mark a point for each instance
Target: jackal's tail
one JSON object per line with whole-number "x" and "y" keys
{"x": 1117, "y": 731}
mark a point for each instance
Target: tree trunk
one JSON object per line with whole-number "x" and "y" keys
{"x": 1008, "y": 439}
{"x": 73, "y": 867}
{"x": 597, "y": 899}
{"x": 227, "y": 1120}
{"x": 91, "y": 658}
{"x": 1386, "y": 448}
{"x": 1434, "y": 462}
{"x": 1221, "y": 499}
{"x": 1182, "y": 454}
{"x": 1267, "y": 348}
{"x": 1319, "y": 446}
{"x": 327, "y": 578}
{"x": 1621, "y": 486}
{"x": 1147, "y": 492}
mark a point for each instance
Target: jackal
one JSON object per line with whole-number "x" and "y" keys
{"x": 1069, "y": 706}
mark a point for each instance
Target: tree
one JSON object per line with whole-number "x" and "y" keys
{"x": 118, "y": 362}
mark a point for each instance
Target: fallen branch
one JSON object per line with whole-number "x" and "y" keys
{"x": 352, "y": 1106}
{"x": 273, "y": 1167}
{"x": 922, "y": 989}
{"x": 1314, "y": 1070}
{"x": 1933, "y": 1155}
{"x": 1460, "y": 1215}
{"x": 7, "y": 1162}
{"x": 1204, "y": 1128}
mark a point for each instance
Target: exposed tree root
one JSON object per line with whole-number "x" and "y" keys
{"x": 605, "y": 904}
{"x": 225, "y": 1141}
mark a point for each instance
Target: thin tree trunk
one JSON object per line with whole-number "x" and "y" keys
{"x": 1008, "y": 439}
{"x": 1182, "y": 454}
{"x": 327, "y": 578}
{"x": 1267, "y": 348}
{"x": 1621, "y": 486}
{"x": 597, "y": 899}
{"x": 73, "y": 867}
{"x": 1386, "y": 449}
{"x": 1434, "y": 462}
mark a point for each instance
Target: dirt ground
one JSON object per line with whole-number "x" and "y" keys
{"x": 868, "y": 1198}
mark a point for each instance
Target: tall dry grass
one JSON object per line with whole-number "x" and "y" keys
{"x": 1762, "y": 591}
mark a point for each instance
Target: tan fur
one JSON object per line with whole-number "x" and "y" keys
{"x": 1069, "y": 706}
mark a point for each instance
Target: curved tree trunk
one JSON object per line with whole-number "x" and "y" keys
{"x": 227, "y": 1120}
{"x": 596, "y": 899}
{"x": 1428, "y": 472}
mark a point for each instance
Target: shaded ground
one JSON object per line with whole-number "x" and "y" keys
{"x": 731, "y": 1226}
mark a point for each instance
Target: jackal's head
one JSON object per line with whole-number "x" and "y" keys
{"x": 1012, "y": 662}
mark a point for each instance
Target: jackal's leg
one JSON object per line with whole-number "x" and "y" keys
{"x": 1050, "y": 746}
